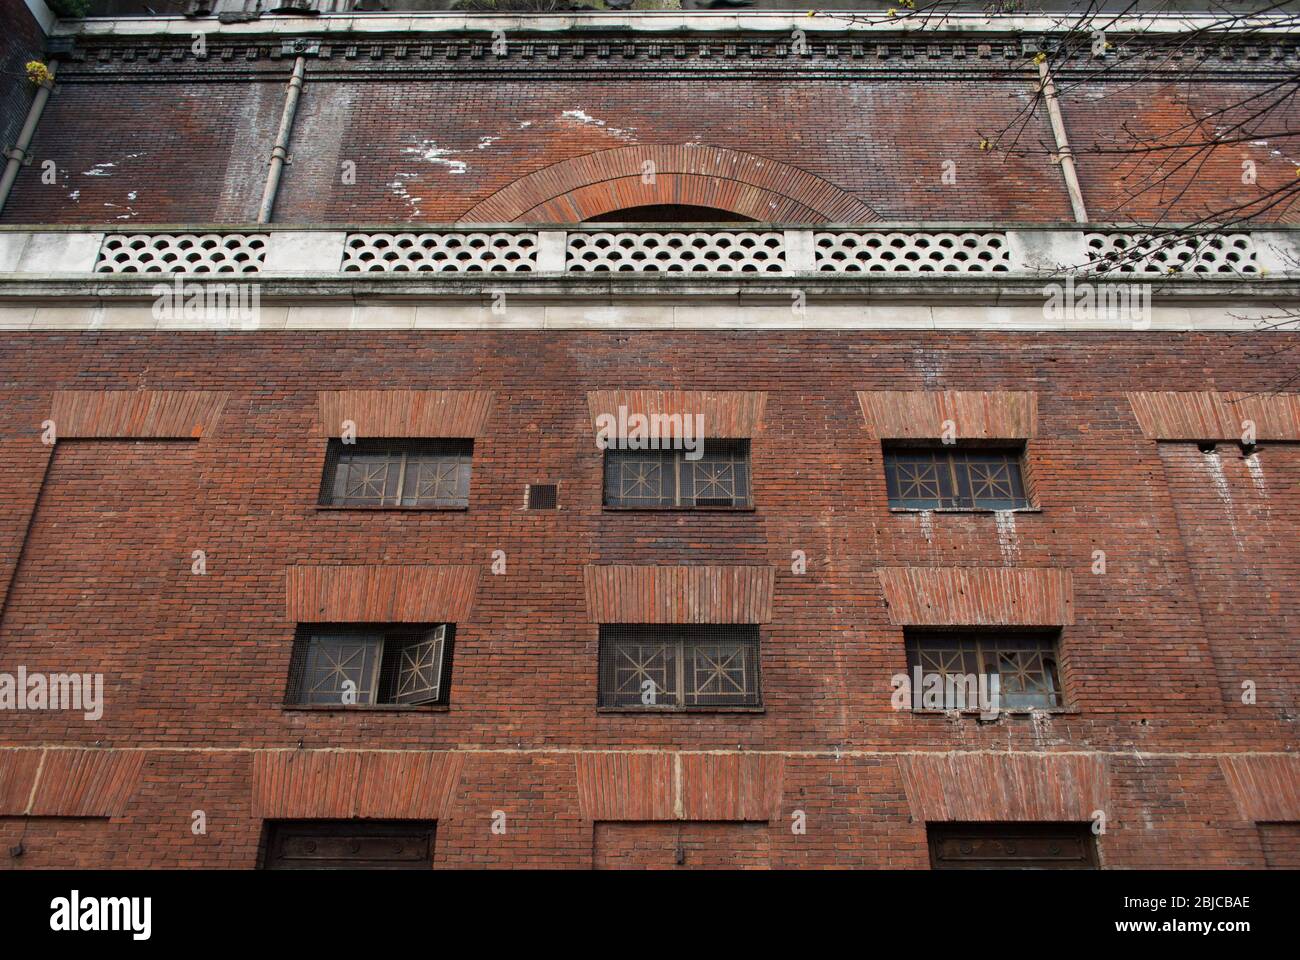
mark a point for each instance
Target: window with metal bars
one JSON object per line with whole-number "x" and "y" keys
{"x": 543, "y": 496}
{"x": 671, "y": 667}
{"x": 1024, "y": 664}
{"x": 363, "y": 665}
{"x": 1012, "y": 846}
{"x": 397, "y": 473}
{"x": 650, "y": 479}
{"x": 349, "y": 845}
{"x": 955, "y": 478}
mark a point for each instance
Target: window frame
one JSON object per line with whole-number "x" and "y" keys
{"x": 1013, "y": 833}
{"x": 407, "y": 447}
{"x": 379, "y": 634}
{"x": 678, "y": 457}
{"x": 680, "y": 635}
{"x": 953, "y": 461}
{"x": 277, "y": 834}
{"x": 986, "y": 642}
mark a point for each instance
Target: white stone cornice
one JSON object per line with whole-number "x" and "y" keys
{"x": 649, "y": 22}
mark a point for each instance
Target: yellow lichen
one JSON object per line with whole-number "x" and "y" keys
{"x": 38, "y": 73}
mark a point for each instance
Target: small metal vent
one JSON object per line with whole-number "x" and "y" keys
{"x": 543, "y": 496}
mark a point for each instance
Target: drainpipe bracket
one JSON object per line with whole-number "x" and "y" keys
{"x": 300, "y": 47}
{"x": 12, "y": 152}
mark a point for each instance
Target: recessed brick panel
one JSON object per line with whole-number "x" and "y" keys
{"x": 315, "y": 784}
{"x": 627, "y": 786}
{"x": 921, "y": 415}
{"x": 1207, "y": 415}
{"x": 630, "y": 594}
{"x": 664, "y": 786}
{"x": 1264, "y": 787}
{"x": 977, "y": 596}
{"x": 733, "y": 415}
{"x": 1229, "y": 509}
{"x": 406, "y": 413}
{"x": 85, "y": 783}
{"x": 407, "y": 593}
{"x": 136, "y": 414}
{"x": 17, "y": 777}
{"x": 974, "y": 787}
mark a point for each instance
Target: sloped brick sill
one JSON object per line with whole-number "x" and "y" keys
{"x": 608, "y": 509}
{"x": 654, "y": 711}
{"x": 363, "y": 708}
{"x": 962, "y": 510}
{"x": 334, "y": 508}
{"x": 1054, "y": 711}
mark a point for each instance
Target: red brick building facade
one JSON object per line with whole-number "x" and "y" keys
{"x": 163, "y": 521}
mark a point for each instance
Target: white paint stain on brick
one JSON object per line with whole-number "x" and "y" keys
{"x": 430, "y": 152}
{"x": 1007, "y": 541}
{"x": 581, "y": 116}
{"x": 1256, "y": 469}
{"x": 927, "y": 525}
{"x": 399, "y": 190}
{"x": 929, "y": 363}
{"x": 485, "y": 142}
{"x": 1220, "y": 480}
{"x": 99, "y": 170}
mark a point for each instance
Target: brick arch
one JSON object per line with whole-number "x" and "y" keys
{"x": 766, "y": 190}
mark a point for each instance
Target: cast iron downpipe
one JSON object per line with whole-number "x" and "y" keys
{"x": 1063, "y": 153}
{"x": 18, "y": 153}
{"x": 281, "y": 150}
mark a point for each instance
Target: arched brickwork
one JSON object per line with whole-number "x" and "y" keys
{"x": 575, "y": 190}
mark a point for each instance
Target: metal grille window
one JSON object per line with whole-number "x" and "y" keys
{"x": 1012, "y": 846}
{"x": 350, "y": 845}
{"x": 655, "y": 666}
{"x": 666, "y": 478}
{"x": 404, "y": 665}
{"x": 955, "y": 478}
{"x": 543, "y": 496}
{"x": 1025, "y": 665}
{"x": 393, "y": 473}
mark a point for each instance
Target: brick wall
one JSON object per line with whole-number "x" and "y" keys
{"x": 183, "y": 150}
{"x": 1187, "y": 184}
{"x": 195, "y": 666}
{"x": 1281, "y": 845}
{"x": 689, "y": 845}
{"x": 21, "y": 41}
{"x": 428, "y": 152}
{"x": 162, "y": 153}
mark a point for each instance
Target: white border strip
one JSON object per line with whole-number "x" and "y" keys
{"x": 53, "y": 315}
